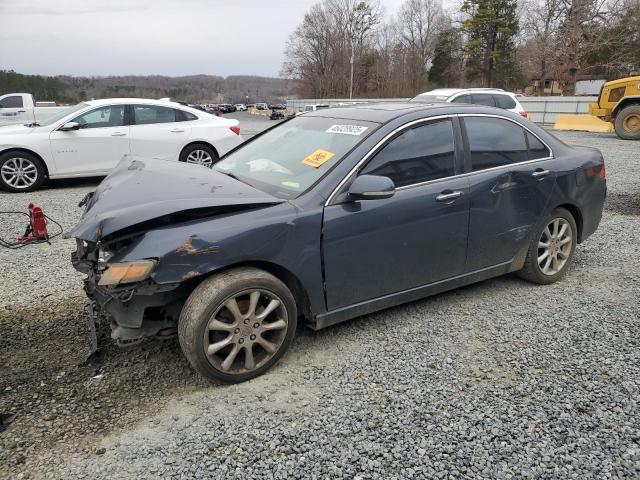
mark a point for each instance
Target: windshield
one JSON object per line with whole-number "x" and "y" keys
{"x": 59, "y": 116}
{"x": 430, "y": 98}
{"x": 287, "y": 160}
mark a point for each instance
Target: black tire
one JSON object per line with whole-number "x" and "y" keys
{"x": 532, "y": 271}
{"x": 30, "y": 163}
{"x": 209, "y": 299}
{"x": 627, "y": 123}
{"x": 190, "y": 150}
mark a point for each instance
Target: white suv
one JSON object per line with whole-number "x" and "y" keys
{"x": 491, "y": 97}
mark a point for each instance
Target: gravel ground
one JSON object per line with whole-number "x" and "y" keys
{"x": 501, "y": 379}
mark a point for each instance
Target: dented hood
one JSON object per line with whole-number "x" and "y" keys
{"x": 140, "y": 190}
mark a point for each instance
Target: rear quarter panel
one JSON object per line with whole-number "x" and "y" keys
{"x": 578, "y": 184}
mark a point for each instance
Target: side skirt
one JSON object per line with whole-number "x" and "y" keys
{"x": 364, "y": 308}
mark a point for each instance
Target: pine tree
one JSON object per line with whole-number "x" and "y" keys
{"x": 491, "y": 30}
{"x": 447, "y": 62}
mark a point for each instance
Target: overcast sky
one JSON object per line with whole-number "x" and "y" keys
{"x": 145, "y": 37}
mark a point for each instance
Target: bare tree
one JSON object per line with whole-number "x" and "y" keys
{"x": 541, "y": 21}
{"x": 421, "y": 21}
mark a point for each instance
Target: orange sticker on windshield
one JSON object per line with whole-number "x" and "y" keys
{"x": 317, "y": 158}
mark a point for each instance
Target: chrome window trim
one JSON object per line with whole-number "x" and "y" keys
{"x": 438, "y": 117}
{"x": 375, "y": 148}
{"x": 512, "y": 121}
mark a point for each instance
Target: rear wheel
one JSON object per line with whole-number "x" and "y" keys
{"x": 627, "y": 123}
{"x": 551, "y": 250}
{"x": 199, "y": 154}
{"x": 20, "y": 172}
{"x": 237, "y": 324}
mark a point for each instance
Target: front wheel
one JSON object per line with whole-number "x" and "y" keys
{"x": 627, "y": 123}
{"x": 237, "y": 324}
{"x": 20, "y": 172}
{"x": 551, "y": 250}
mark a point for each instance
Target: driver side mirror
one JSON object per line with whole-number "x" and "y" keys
{"x": 70, "y": 126}
{"x": 371, "y": 187}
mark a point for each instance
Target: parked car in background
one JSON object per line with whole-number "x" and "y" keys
{"x": 214, "y": 110}
{"x": 328, "y": 216}
{"x": 490, "y": 97}
{"x": 240, "y": 107}
{"x": 227, "y": 108}
{"x": 22, "y": 108}
{"x": 277, "y": 106}
{"x": 90, "y": 138}
{"x": 314, "y": 107}
{"x": 262, "y": 106}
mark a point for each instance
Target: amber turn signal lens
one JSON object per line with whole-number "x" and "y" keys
{"x": 127, "y": 272}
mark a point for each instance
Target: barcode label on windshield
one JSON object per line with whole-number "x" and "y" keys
{"x": 347, "y": 129}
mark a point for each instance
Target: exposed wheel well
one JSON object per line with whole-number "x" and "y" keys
{"x": 625, "y": 102}
{"x": 26, "y": 150}
{"x": 290, "y": 280}
{"x": 577, "y": 215}
{"x": 199, "y": 142}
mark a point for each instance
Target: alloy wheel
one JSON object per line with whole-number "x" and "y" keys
{"x": 246, "y": 331}
{"x": 554, "y": 246}
{"x": 200, "y": 157}
{"x": 19, "y": 172}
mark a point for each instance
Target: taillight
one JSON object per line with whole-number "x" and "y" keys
{"x": 236, "y": 130}
{"x": 524, "y": 114}
{"x": 591, "y": 171}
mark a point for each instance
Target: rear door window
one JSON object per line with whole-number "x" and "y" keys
{"x": 148, "y": 114}
{"x": 462, "y": 99}
{"x": 418, "y": 155}
{"x": 182, "y": 116}
{"x": 504, "y": 101}
{"x": 483, "y": 99}
{"x": 537, "y": 149}
{"x": 494, "y": 142}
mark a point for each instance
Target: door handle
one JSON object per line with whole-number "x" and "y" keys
{"x": 540, "y": 173}
{"x": 21, "y": 111}
{"x": 118, "y": 134}
{"x": 177, "y": 130}
{"x": 445, "y": 197}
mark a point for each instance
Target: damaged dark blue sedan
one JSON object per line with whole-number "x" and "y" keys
{"x": 328, "y": 216}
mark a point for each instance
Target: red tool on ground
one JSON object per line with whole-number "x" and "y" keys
{"x": 37, "y": 228}
{"x": 36, "y": 231}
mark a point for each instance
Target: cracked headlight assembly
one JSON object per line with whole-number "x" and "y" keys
{"x": 127, "y": 272}
{"x": 103, "y": 257}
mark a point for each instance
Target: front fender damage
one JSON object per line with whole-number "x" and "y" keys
{"x": 185, "y": 253}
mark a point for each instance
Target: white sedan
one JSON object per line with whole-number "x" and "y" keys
{"x": 90, "y": 138}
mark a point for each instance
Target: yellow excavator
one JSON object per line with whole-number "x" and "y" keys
{"x": 618, "y": 109}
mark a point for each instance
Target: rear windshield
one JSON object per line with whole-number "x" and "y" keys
{"x": 290, "y": 158}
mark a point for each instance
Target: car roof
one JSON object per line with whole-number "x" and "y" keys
{"x": 375, "y": 112}
{"x": 146, "y": 101}
{"x": 447, "y": 92}
{"x": 385, "y": 112}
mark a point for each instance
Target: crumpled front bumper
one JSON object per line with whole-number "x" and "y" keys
{"x": 137, "y": 310}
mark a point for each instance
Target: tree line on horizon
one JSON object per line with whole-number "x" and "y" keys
{"x": 481, "y": 43}
{"x": 194, "y": 88}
